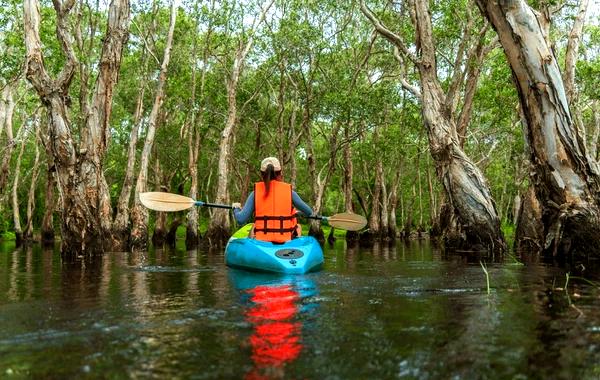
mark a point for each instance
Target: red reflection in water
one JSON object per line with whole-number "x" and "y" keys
{"x": 276, "y": 337}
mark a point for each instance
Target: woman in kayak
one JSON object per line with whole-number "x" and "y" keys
{"x": 273, "y": 204}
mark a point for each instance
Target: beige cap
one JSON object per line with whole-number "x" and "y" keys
{"x": 270, "y": 160}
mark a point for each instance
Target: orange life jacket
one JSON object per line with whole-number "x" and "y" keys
{"x": 274, "y": 214}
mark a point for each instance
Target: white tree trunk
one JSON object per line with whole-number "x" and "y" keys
{"x": 15, "y": 189}
{"x": 218, "y": 229}
{"x": 572, "y": 51}
{"x": 465, "y": 187}
{"x": 35, "y": 171}
{"x": 566, "y": 182}
{"x": 86, "y": 205}
{"x": 7, "y": 107}
{"x": 139, "y": 213}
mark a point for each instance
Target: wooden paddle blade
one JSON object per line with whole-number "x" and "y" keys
{"x": 347, "y": 221}
{"x": 165, "y": 201}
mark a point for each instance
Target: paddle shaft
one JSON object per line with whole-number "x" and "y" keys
{"x": 214, "y": 205}
{"x": 316, "y": 217}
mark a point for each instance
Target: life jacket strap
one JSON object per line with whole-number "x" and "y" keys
{"x": 266, "y": 229}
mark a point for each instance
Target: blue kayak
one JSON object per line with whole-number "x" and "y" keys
{"x": 297, "y": 256}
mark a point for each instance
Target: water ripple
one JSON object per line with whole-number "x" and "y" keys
{"x": 160, "y": 269}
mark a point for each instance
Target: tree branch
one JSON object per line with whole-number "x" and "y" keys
{"x": 407, "y": 86}
{"x": 572, "y": 50}
{"x": 387, "y": 33}
{"x": 458, "y": 75}
{"x": 65, "y": 38}
{"x": 36, "y": 72}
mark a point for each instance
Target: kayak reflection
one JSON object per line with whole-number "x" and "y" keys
{"x": 273, "y": 305}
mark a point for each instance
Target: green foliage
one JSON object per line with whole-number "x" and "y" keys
{"x": 11, "y": 40}
{"x": 312, "y": 62}
{"x": 508, "y": 230}
{"x": 7, "y": 236}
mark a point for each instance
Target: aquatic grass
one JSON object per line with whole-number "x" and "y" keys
{"x": 564, "y": 288}
{"x": 589, "y": 282}
{"x": 514, "y": 259}
{"x": 487, "y": 276}
{"x": 568, "y": 277}
{"x": 571, "y": 304}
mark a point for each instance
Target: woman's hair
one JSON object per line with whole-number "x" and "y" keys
{"x": 268, "y": 175}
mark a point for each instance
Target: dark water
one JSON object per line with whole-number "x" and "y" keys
{"x": 376, "y": 313}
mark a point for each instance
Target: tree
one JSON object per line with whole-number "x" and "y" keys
{"x": 468, "y": 194}
{"x": 122, "y": 223}
{"x": 139, "y": 213}
{"x": 566, "y": 182}
{"x": 85, "y": 222}
{"x": 7, "y": 109}
{"x": 195, "y": 122}
{"x": 28, "y": 230}
{"x": 218, "y": 229}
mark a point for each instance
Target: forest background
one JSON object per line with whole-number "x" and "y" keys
{"x": 207, "y": 89}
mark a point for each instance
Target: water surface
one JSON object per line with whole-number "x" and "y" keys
{"x": 399, "y": 311}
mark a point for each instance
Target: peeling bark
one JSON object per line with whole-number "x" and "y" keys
{"x": 566, "y": 182}
{"x": 467, "y": 191}
{"x": 86, "y": 209}
{"x": 465, "y": 187}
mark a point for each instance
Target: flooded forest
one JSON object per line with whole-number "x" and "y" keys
{"x": 470, "y": 123}
{"x": 460, "y": 136}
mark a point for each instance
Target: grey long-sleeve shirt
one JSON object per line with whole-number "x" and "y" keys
{"x": 242, "y": 216}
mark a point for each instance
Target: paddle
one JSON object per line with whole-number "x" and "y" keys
{"x": 344, "y": 221}
{"x": 172, "y": 202}
{"x": 159, "y": 201}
